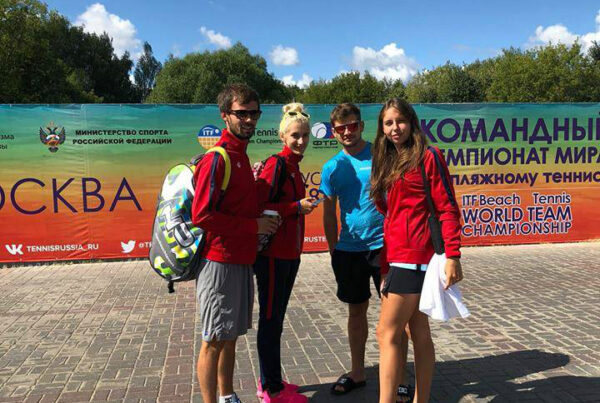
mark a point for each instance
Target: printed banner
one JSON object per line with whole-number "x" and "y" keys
{"x": 81, "y": 181}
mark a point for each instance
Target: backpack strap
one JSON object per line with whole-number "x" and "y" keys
{"x": 427, "y": 188}
{"x": 227, "y": 160}
{"x": 442, "y": 175}
{"x": 280, "y": 166}
{"x": 435, "y": 227}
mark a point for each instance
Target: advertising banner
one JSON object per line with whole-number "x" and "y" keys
{"x": 81, "y": 181}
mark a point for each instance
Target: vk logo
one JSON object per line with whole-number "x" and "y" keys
{"x": 128, "y": 247}
{"x": 14, "y": 249}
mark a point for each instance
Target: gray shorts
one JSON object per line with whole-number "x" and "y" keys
{"x": 225, "y": 296}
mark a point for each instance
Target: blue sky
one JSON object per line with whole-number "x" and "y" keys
{"x": 319, "y": 39}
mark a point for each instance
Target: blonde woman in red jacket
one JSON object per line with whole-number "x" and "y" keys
{"x": 399, "y": 150}
{"x": 280, "y": 187}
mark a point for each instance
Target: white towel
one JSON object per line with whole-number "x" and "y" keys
{"x": 436, "y": 302}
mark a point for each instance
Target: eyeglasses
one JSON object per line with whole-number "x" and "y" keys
{"x": 245, "y": 114}
{"x": 352, "y": 127}
{"x": 294, "y": 113}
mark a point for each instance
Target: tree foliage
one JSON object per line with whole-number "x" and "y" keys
{"x": 199, "y": 77}
{"x": 44, "y": 59}
{"x": 47, "y": 60}
{"x": 594, "y": 51}
{"x": 554, "y": 73}
{"x": 145, "y": 72}
{"x": 350, "y": 87}
{"x": 447, "y": 83}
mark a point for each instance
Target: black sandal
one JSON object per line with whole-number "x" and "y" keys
{"x": 404, "y": 393}
{"x": 347, "y": 384}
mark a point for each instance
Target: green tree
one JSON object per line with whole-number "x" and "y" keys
{"x": 554, "y": 73}
{"x": 421, "y": 89}
{"x": 594, "y": 51}
{"x": 145, "y": 72}
{"x": 29, "y": 71}
{"x": 92, "y": 58}
{"x": 199, "y": 77}
{"x": 394, "y": 89}
{"x": 447, "y": 83}
{"x": 482, "y": 71}
{"x": 46, "y": 60}
{"x": 351, "y": 87}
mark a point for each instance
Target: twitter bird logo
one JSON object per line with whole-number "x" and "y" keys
{"x": 128, "y": 247}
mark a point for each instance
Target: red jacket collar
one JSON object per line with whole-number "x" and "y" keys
{"x": 233, "y": 142}
{"x": 290, "y": 156}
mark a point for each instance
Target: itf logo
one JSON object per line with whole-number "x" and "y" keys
{"x": 208, "y": 136}
{"x": 322, "y": 130}
{"x": 14, "y": 249}
{"x": 128, "y": 247}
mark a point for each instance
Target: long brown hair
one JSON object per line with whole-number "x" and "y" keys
{"x": 388, "y": 162}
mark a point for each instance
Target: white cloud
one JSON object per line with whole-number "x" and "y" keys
{"x": 284, "y": 56}
{"x": 216, "y": 38}
{"x": 123, "y": 33}
{"x": 389, "y": 62}
{"x": 302, "y": 83}
{"x": 558, "y": 33}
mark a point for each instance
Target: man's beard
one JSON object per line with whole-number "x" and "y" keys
{"x": 238, "y": 133}
{"x": 243, "y": 136}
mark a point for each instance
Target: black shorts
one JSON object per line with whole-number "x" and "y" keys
{"x": 403, "y": 281}
{"x": 353, "y": 272}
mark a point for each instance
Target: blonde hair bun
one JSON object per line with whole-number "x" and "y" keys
{"x": 300, "y": 115}
{"x": 293, "y": 107}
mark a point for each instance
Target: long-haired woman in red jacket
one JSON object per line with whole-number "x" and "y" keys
{"x": 399, "y": 153}
{"x": 281, "y": 188}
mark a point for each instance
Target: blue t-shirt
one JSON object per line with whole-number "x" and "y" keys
{"x": 348, "y": 178}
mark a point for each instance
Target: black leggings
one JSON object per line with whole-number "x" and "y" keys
{"x": 275, "y": 279}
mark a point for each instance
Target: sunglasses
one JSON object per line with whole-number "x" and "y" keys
{"x": 294, "y": 113}
{"x": 352, "y": 127}
{"x": 245, "y": 114}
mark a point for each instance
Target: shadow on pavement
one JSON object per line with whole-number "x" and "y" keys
{"x": 493, "y": 377}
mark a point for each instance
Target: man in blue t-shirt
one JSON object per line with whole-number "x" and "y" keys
{"x": 355, "y": 254}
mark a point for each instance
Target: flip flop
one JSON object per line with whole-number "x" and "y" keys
{"x": 404, "y": 393}
{"x": 347, "y": 384}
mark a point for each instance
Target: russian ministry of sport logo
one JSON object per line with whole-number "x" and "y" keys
{"x": 52, "y": 136}
{"x": 208, "y": 136}
{"x": 323, "y": 135}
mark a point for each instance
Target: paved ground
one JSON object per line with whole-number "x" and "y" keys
{"x": 110, "y": 332}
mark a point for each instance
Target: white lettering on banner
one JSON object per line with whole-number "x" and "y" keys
{"x": 61, "y": 248}
{"x": 503, "y": 215}
{"x": 313, "y": 239}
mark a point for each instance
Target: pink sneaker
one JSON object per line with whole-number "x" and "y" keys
{"x": 287, "y": 387}
{"x": 283, "y": 397}
{"x": 290, "y": 387}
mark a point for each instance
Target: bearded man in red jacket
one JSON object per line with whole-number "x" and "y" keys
{"x": 225, "y": 287}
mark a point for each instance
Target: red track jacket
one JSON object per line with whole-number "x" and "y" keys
{"x": 289, "y": 238}
{"x": 232, "y": 228}
{"x": 406, "y": 231}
